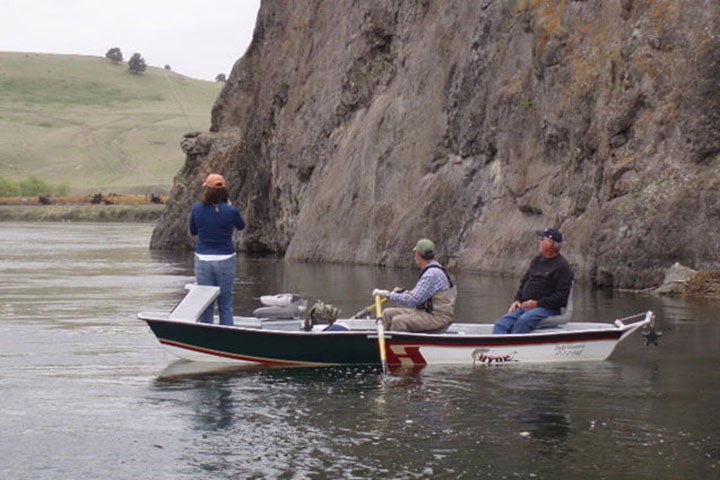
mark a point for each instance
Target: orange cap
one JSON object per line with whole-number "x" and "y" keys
{"x": 214, "y": 180}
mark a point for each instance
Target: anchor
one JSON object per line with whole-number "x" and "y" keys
{"x": 651, "y": 335}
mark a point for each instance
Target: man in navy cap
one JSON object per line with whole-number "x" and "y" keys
{"x": 544, "y": 288}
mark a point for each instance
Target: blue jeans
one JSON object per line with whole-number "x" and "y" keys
{"x": 522, "y": 321}
{"x": 219, "y": 274}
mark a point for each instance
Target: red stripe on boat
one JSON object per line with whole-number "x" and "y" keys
{"x": 218, "y": 353}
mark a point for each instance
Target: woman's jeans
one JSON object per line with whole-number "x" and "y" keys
{"x": 522, "y": 321}
{"x": 219, "y": 274}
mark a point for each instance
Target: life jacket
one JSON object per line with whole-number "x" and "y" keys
{"x": 427, "y": 305}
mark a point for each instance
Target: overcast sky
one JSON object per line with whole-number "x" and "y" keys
{"x": 197, "y": 38}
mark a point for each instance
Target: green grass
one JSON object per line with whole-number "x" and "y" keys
{"x": 45, "y": 91}
{"x": 84, "y": 121}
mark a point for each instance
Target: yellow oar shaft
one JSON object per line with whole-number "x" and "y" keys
{"x": 383, "y": 301}
{"x": 366, "y": 311}
{"x": 381, "y": 333}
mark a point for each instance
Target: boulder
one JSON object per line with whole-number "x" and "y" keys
{"x": 676, "y": 280}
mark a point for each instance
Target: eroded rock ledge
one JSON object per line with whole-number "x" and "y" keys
{"x": 681, "y": 280}
{"x": 348, "y": 130}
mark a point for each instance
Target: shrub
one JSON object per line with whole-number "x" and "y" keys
{"x": 9, "y": 188}
{"x": 136, "y": 64}
{"x": 114, "y": 55}
{"x": 31, "y": 187}
{"x": 62, "y": 189}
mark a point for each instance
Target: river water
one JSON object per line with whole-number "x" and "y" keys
{"x": 87, "y": 392}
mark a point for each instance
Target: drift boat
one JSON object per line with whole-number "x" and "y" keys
{"x": 274, "y": 340}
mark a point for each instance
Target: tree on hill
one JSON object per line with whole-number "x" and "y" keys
{"x": 114, "y": 55}
{"x": 136, "y": 64}
{"x": 220, "y": 78}
{"x": 167, "y": 67}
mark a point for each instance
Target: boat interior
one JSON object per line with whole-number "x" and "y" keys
{"x": 200, "y": 297}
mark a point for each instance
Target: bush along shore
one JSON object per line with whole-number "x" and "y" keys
{"x": 89, "y": 208}
{"x": 94, "y": 199}
{"x": 93, "y": 208}
{"x": 81, "y": 213}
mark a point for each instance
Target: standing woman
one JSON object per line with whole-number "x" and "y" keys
{"x": 213, "y": 220}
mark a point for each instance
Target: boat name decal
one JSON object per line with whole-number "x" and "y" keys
{"x": 569, "y": 349}
{"x": 480, "y": 355}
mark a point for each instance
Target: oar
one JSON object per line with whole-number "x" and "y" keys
{"x": 368, "y": 309}
{"x": 381, "y": 334}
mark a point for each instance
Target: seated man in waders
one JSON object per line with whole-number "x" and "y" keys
{"x": 432, "y": 301}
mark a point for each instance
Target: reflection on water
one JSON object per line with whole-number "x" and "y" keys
{"x": 184, "y": 368}
{"x": 88, "y": 392}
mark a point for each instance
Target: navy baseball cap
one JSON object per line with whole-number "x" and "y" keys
{"x": 551, "y": 233}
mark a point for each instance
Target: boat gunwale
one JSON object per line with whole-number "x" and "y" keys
{"x": 603, "y": 332}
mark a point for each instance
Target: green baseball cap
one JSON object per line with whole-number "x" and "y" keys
{"x": 424, "y": 246}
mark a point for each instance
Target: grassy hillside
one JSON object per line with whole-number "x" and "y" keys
{"x": 87, "y": 122}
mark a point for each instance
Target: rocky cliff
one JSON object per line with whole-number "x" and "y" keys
{"x": 350, "y": 129}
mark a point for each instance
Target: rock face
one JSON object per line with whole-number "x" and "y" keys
{"x": 350, "y": 129}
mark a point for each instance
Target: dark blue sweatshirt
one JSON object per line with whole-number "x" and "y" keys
{"x": 548, "y": 280}
{"x": 214, "y": 226}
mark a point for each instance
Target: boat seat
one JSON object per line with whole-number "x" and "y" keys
{"x": 290, "y": 311}
{"x": 198, "y": 298}
{"x": 561, "y": 319}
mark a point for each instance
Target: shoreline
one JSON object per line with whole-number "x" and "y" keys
{"x": 81, "y": 213}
